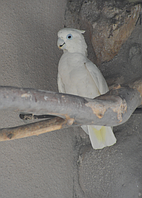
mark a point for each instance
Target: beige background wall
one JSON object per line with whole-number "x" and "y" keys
{"x": 62, "y": 164}
{"x": 36, "y": 166}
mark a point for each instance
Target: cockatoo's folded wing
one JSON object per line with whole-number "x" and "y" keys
{"x": 97, "y": 77}
{"x": 61, "y": 86}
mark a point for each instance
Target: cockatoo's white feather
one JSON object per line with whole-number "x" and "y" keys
{"x": 77, "y": 75}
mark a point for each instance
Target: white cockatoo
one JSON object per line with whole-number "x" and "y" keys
{"x": 77, "y": 75}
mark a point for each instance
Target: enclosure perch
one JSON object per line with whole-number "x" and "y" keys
{"x": 110, "y": 109}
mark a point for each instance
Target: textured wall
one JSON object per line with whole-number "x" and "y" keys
{"x": 36, "y": 166}
{"x": 62, "y": 164}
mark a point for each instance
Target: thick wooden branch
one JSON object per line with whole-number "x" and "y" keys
{"x": 110, "y": 109}
{"x": 118, "y": 104}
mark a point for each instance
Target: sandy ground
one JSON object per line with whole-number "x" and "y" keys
{"x": 62, "y": 164}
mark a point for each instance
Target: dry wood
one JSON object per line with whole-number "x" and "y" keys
{"x": 32, "y": 129}
{"x": 110, "y": 109}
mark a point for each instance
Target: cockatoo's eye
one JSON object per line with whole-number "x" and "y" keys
{"x": 69, "y": 36}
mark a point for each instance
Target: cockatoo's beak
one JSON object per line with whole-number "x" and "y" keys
{"x": 60, "y": 43}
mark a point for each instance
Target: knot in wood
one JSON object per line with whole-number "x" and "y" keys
{"x": 115, "y": 103}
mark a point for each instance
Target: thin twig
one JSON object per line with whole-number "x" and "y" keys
{"x": 32, "y": 129}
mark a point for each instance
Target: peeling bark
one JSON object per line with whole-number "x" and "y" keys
{"x": 111, "y": 109}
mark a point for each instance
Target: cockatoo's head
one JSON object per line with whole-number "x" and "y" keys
{"x": 72, "y": 40}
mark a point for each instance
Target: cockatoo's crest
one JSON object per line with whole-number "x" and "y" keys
{"x": 71, "y": 40}
{"x": 80, "y": 31}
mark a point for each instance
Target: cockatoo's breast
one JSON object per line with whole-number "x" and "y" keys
{"x": 75, "y": 76}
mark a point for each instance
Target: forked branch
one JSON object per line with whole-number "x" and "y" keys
{"x": 110, "y": 109}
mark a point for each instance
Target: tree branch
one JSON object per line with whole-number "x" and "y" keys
{"x": 110, "y": 109}
{"x": 32, "y": 129}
